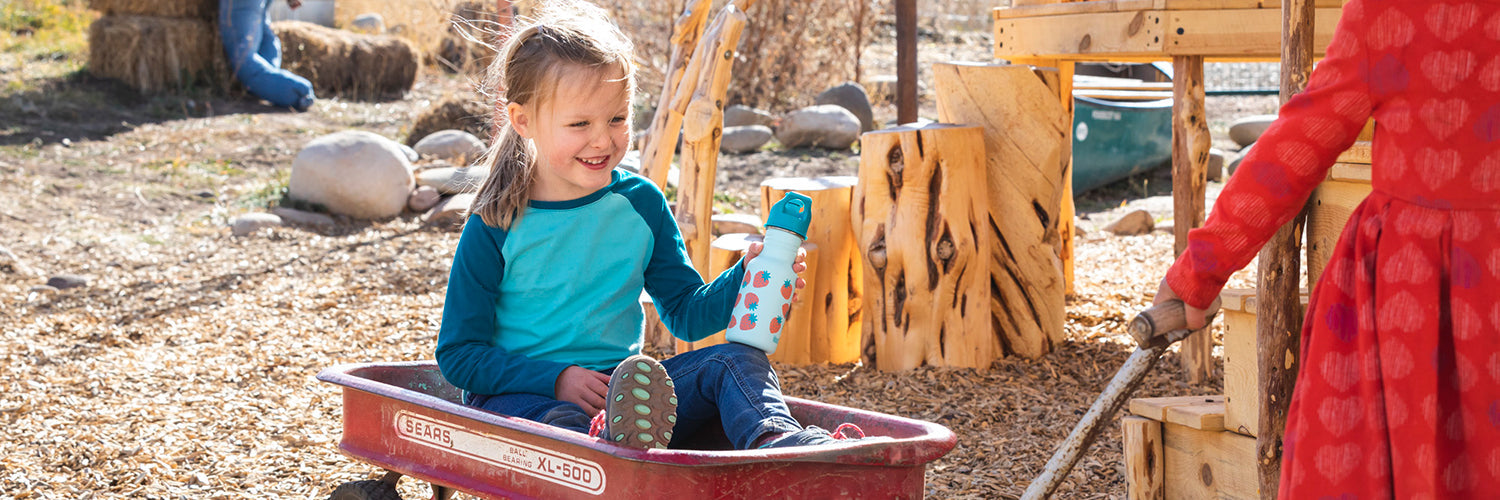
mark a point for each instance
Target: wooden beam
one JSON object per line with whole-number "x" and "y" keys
{"x": 666, "y": 125}
{"x": 1190, "y": 151}
{"x": 1115, "y": 33}
{"x": 702, "y": 130}
{"x": 1279, "y": 324}
{"x": 906, "y": 61}
{"x": 1218, "y": 35}
{"x": 1240, "y": 31}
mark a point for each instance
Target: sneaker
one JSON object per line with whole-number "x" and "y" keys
{"x": 641, "y": 407}
{"x": 812, "y": 435}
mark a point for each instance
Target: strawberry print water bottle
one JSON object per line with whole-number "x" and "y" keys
{"x": 765, "y": 297}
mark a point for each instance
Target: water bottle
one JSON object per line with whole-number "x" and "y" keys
{"x": 765, "y": 299}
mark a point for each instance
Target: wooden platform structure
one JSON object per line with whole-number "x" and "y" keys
{"x": 1186, "y": 32}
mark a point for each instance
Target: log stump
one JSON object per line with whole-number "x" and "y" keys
{"x": 1028, "y": 157}
{"x": 922, "y": 208}
{"x": 834, "y": 281}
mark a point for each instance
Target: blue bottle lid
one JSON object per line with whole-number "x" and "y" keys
{"x": 793, "y": 213}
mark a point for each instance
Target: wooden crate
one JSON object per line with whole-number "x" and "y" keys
{"x": 1333, "y": 202}
{"x": 1177, "y": 448}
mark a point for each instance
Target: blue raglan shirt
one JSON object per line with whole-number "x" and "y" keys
{"x": 562, "y": 287}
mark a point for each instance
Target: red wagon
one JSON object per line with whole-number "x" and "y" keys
{"x": 406, "y": 418}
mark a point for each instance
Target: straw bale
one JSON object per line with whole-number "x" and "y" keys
{"x": 465, "y": 112}
{"x": 205, "y": 10}
{"x": 152, "y": 54}
{"x": 347, "y": 63}
{"x": 463, "y": 47}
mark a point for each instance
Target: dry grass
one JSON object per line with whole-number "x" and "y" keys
{"x": 196, "y": 9}
{"x": 155, "y": 53}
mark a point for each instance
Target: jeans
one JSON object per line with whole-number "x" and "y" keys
{"x": 255, "y": 55}
{"x": 732, "y": 383}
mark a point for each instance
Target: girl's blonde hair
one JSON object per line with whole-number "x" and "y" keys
{"x": 566, "y": 35}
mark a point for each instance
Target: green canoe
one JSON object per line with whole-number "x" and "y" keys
{"x": 1114, "y": 139}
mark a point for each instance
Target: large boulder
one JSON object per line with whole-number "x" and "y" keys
{"x": 852, "y": 97}
{"x": 456, "y": 146}
{"x": 826, "y": 126}
{"x": 740, "y": 115}
{"x": 1247, "y": 130}
{"x": 744, "y": 139}
{"x": 355, "y": 173}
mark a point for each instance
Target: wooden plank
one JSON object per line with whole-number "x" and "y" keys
{"x": 1276, "y": 4}
{"x": 1158, "y": 408}
{"x": 1113, "y": 33}
{"x": 1330, "y": 207}
{"x": 1351, "y": 172}
{"x": 1021, "y": 9}
{"x": 1211, "y": 4}
{"x": 1241, "y": 371}
{"x": 1207, "y": 464}
{"x": 1145, "y": 470}
{"x": 1245, "y": 32}
{"x": 1358, "y": 153}
{"x": 1205, "y": 415}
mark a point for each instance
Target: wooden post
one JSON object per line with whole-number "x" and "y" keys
{"x": 1280, "y": 320}
{"x": 922, "y": 210}
{"x": 834, "y": 292}
{"x": 1190, "y": 149}
{"x": 797, "y": 335}
{"x": 725, "y": 252}
{"x": 1144, "y": 464}
{"x": 1027, "y": 153}
{"x": 702, "y": 129}
{"x": 906, "y": 61}
{"x": 656, "y": 154}
{"x": 655, "y": 333}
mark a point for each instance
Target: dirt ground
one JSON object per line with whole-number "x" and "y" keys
{"x": 184, "y": 367}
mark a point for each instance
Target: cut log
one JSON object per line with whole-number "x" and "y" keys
{"x": 833, "y": 293}
{"x": 1027, "y": 149}
{"x": 795, "y": 347}
{"x": 661, "y": 140}
{"x": 702, "y": 128}
{"x": 1144, "y": 466}
{"x": 923, "y": 211}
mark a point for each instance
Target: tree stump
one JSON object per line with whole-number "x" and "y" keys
{"x": 923, "y": 210}
{"x": 797, "y": 335}
{"x": 1026, "y": 141}
{"x": 725, "y": 252}
{"x": 834, "y": 281}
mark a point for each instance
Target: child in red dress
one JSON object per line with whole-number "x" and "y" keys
{"x": 1398, "y": 395}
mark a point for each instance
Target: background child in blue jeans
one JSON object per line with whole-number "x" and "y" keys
{"x": 542, "y": 303}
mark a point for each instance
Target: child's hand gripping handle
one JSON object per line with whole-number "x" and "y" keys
{"x": 1158, "y": 322}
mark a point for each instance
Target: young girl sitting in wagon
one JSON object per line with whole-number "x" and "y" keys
{"x": 542, "y": 319}
{"x": 1398, "y": 394}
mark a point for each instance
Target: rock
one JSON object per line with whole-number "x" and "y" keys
{"x": 825, "y": 126}
{"x": 1137, "y": 222}
{"x": 248, "y": 224}
{"x": 450, "y": 213}
{"x": 66, "y": 281}
{"x": 1235, "y": 165}
{"x": 851, "y": 96}
{"x": 9, "y": 263}
{"x": 740, "y": 115}
{"x": 882, "y": 87}
{"x": 300, "y": 218}
{"x": 423, "y": 198}
{"x": 735, "y": 223}
{"x": 456, "y": 146}
{"x": 1215, "y": 164}
{"x": 355, "y": 173}
{"x": 744, "y": 139}
{"x": 372, "y": 23}
{"x": 631, "y": 162}
{"x": 453, "y": 180}
{"x": 43, "y": 289}
{"x": 411, "y": 154}
{"x": 1247, "y": 130}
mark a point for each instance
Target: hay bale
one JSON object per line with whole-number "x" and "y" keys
{"x": 152, "y": 54}
{"x": 466, "y": 112}
{"x": 460, "y": 49}
{"x": 205, "y": 10}
{"x": 347, "y": 63}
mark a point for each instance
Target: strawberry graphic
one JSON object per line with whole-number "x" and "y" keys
{"x": 786, "y": 310}
{"x": 786, "y": 289}
{"x": 751, "y": 301}
{"x": 748, "y": 322}
{"x": 731, "y": 323}
{"x": 747, "y": 280}
{"x": 762, "y": 279}
{"x": 775, "y": 325}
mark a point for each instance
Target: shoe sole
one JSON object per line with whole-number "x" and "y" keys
{"x": 641, "y": 406}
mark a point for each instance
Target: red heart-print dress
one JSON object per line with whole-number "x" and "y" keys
{"x": 1398, "y": 395}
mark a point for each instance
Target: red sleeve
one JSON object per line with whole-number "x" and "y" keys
{"x": 1284, "y": 166}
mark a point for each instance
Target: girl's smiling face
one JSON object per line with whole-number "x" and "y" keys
{"x": 581, "y": 131}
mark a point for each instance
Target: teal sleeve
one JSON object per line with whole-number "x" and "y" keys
{"x": 691, "y": 309}
{"x": 466, "y": 352}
